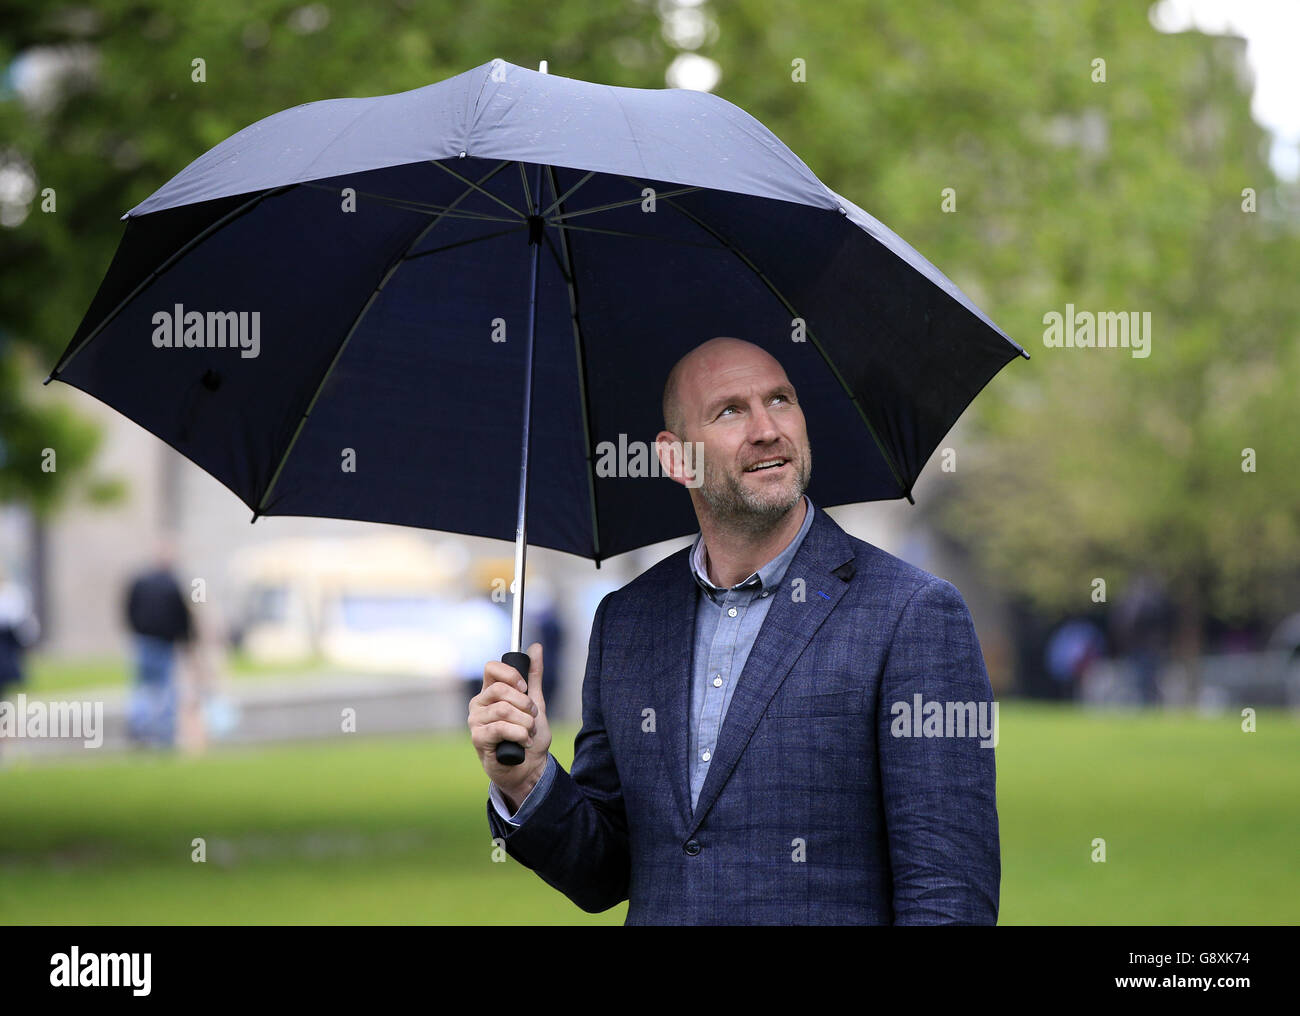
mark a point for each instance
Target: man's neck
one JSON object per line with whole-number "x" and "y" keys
{"x": 731, "y": 556}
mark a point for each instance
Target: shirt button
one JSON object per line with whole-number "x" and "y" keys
{"x": 717, "y": 682}
{"x": 731, "y": 612}
{"x": 692, "y": 847}
{"x": 765, "y": 592}
{"x": 707, "y": 755}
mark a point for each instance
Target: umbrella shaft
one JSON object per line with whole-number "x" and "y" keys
{"x": 521, "y": 541}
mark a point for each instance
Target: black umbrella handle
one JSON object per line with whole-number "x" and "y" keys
{"x": 510, "y": 753}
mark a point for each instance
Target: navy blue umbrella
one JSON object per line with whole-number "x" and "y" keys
{"x": 391, "y": 308}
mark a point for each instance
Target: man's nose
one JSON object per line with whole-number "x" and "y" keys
{"x": 762, "y": 427}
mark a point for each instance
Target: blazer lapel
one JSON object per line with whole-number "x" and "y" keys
{"x": 672, "y": 619}
{"x": 823, "y": 561}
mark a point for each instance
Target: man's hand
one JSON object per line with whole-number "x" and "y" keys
{"x": 504, "y": 711}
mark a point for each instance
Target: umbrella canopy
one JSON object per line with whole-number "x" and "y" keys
{"x": 330, "y": 311}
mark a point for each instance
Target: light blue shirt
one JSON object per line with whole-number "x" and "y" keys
{"x": 727, "y": 622}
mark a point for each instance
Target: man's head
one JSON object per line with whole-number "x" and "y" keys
{"x": 733, "y": 398}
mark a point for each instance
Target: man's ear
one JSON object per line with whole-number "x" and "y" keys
{"x": 671, "y": 460}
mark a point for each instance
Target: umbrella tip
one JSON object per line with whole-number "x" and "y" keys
{"x": 1025, "y": 353}
{"x": 48, "y": 379}
{"x": 541, "y": 68}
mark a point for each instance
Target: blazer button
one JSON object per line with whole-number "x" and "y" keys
{"x": 692, "y": 847}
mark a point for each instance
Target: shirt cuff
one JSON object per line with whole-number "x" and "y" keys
{"x": 531, "y": 802}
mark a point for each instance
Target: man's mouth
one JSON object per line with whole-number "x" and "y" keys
{"x": 767, "y": 465}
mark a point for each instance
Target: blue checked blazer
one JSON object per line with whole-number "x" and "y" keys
{"x": 813, "y": 812}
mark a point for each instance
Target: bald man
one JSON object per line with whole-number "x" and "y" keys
{"x": 782, "y": 724}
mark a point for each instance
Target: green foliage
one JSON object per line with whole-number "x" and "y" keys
{"x": 39, "y": 441}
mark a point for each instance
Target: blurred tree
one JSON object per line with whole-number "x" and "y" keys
{"x": 1122, "y": 194}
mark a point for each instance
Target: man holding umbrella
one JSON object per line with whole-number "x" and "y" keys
{"x": 743, "y": 756}
{"x": 747, "y": 754}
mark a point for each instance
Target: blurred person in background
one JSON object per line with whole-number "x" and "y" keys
{"x": 1143, "y": 629}
{"x": 1074, "y": 647}
{"x": 19, "y": 631}
{"x": 206, "y": 710}
{"x": 160, "y": 620}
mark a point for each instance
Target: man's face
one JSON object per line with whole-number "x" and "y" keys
{"x": 737, "y": 402}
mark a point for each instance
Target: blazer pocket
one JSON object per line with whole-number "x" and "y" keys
{"x": 823, "y": 704}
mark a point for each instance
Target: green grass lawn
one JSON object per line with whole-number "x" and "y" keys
{"x": 1201, "y": 824}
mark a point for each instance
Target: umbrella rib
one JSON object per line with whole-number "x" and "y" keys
{"x": 567, "y": 194}
{"x": 463, "y": 243}
{"x": 466, "y": 216}
{"x": 523, "y": 178}
{"x": 411, "y": 205}
{"x": 356, "y": 323}
{"x": 230, "y": 216}
{"x": 579, "y": 348}
{"x": 848, "y": 390}
{"x": 559, "y": 265}
{"x": 637, "y": 236}
{"x": 629, "y": 201}
{"x": 475, "y": 186}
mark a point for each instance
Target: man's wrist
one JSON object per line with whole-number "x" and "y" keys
{"x": 516, "y": 797}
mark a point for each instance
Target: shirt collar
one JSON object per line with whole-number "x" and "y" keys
{"x": 767, "y": 577}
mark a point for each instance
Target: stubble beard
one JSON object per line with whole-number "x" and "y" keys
{"x": 742, "y": 509}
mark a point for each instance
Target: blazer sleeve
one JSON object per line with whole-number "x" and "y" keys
{"x": 939, "y": 792}
{"x": 576, "y": 839}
